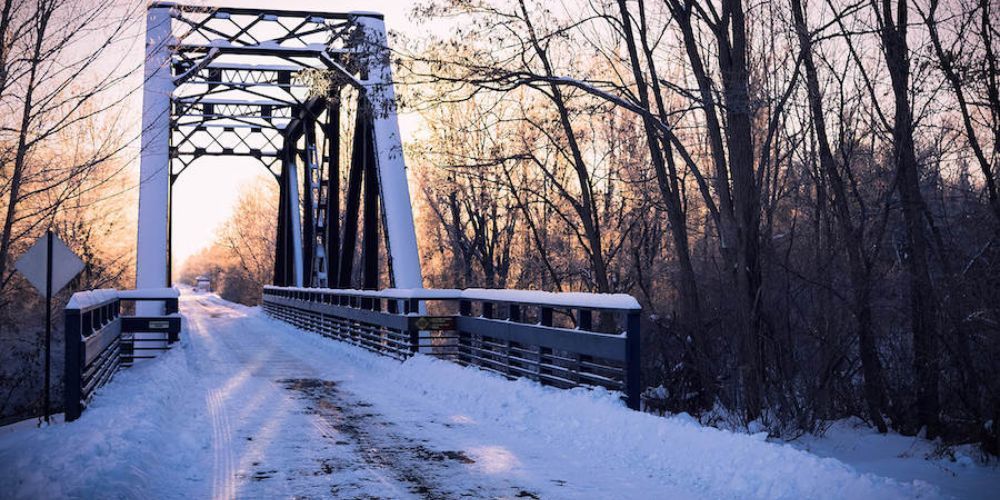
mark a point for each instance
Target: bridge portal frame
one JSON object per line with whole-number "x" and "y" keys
{"x": 224, "y": 81}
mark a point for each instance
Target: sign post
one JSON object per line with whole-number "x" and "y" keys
{"x": 49, "y": 265}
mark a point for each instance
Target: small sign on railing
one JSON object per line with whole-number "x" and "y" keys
{"x": 432, "y": 323}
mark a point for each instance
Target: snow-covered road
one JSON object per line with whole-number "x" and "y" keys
{"x": 247, "y": 407}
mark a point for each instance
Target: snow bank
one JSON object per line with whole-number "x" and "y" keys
{"x": 562, "y": 424}
{"x": 136, "y": 427}
{"x": 954, "y": 470}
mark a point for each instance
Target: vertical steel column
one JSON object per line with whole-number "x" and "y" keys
{"x": 412, "y": 306}
{"x": 404, "y": 260}
{"x": 320, "y": 260}
{"x": 308, "y": 222}
{"x": 281, "y": 236}
{"x": 359, "y": 153}
{"x": 332, "y": 134}
{"x": 370, "y": 246}
{"x": 294, "y": 213}
{"x": 154, "y": 162}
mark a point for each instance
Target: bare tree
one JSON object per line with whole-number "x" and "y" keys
{"x": 63, "y": 161}
{"x": 247, "y": 239}
{"x": 972, "y": 72}
{"x": 49, "y": 86}
{"x": 852, "y": 234}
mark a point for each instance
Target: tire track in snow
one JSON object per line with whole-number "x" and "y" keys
{"x": 223, "y": 474}
{"x": 249, "y": 360}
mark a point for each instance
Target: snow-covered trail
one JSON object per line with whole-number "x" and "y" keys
{"x": 267, "y": 439}
{"x": 247, "y": 407}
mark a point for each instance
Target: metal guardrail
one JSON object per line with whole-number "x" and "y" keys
{"x": 99, "y": 340}
{"x": 547, "y": 337}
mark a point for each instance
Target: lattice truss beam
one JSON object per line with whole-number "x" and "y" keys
{"x": 242, "y": 77}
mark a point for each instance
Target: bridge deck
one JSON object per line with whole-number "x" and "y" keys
{"x": 247, "y": 407}
{"x": 288, "y": 420}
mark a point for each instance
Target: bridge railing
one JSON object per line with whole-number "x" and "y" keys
{"x": 100, "y": 339}
{"x": 558, "y": 339}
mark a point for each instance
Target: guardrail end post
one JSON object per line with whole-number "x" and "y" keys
{"x": 633, "y": 368}
{"x": 412, "y": 306}
{"x": 73, "y": 385}
{"x": 414, "y": 341}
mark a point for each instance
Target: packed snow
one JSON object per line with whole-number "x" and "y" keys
{"x": 90, "y": 298}
{"x": 246, "y": 406}
{"x": 583, "y": 300}
{"x": 955, "y": 470}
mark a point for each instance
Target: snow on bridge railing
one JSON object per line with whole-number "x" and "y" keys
{"x": 99, "y": 339}
{"x": 552, "y": 338}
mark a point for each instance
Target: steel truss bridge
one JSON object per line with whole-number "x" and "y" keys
{"x": 310, "y": 96}
{"x": 281, "y": 87}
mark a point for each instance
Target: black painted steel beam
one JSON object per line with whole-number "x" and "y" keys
{"x": 361, "y": 143}
{"x": 332, "y": 134}
{"x": 308, "y": 224}
{"x": 281, "y": 237}
{"x": 370, "y": 246}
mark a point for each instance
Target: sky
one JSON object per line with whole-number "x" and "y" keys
{"x": 206, "y": 192}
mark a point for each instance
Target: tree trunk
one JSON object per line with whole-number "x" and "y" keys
{"x": 746, "y": 203}
{"x": 21, "y": 153}
{"x": 661, "y": 155}
{"x": 923, "y": 303}
{"x": 853, "y": 237}
{"x": 586, "y": 206}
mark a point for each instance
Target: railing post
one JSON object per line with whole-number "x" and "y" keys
{"x": 584, "y": 322}
{"x": 73, "y": 369}
{"x": 413, "y": 306}
{"x": 633, "y": 368}
{"x": 545, "y": 319}
{"x": 464, "y": 337}
{"x": 514, "y": 313}
{"x": 171, "y": 308}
